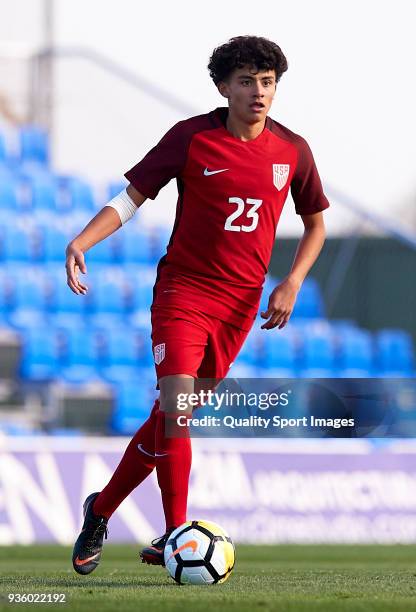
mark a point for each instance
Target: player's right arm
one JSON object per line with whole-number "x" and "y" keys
{"x": 162, "y": 163}
{"x": 105, "y": 223}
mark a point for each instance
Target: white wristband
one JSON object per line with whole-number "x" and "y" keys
{"x": 124, "y": 205}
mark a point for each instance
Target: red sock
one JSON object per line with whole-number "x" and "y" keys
{"x": 136, "y": 464}
{"x": 173, "y": 465}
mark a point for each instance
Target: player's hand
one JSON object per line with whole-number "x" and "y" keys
{"x": 281, "y": 303}
{"x": 75, "y": 262}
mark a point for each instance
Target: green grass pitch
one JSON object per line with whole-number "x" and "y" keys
{"x": 279, "y": 578}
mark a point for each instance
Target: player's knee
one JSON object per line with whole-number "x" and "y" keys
{"x": 174, "y": 393}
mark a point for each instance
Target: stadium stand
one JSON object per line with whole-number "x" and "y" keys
{"x": 53, "y": 337}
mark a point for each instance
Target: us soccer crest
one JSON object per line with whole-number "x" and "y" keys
{"x": 280, "y": 175}
{"x": 159, "y": 353}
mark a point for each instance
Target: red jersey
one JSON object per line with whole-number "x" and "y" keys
{"x": 230, "y": 197}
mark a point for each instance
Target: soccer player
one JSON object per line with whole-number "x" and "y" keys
{"x": 234, "y": 167}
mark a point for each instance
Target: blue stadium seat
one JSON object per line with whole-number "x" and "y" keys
{"x": 146, "y": 358}
{"x": 116, "y": 375}
{"x": 19, "y": 245}
{"x": 27, "y": 319}
{"x": 342, "y": 325}
{"x": 107, "y": 296}
{"x": 251, "y": 351}
{"x": 29, "y": 293}
{"x": 103, "y": 321}
{"x": 318, "y": 356}
{"x": 8, "y": 195}
{"x": 269, "y": 284}
{"x": 6, "y": 169}
{"x": 140, "y": 319}
{"x": 141, "y": 296}
{"x": 395, "y": 353}
{"x": 30, "y": 171}
{"x": 5, "y": 302}
{"x": 29, "y": 300}
{"x": 44, "y": 194}
{"x": 309, "y": 303}
{"x": 53, "y": 244}
{"x": 81, "y": 195}
{"x": 126, "y": 355}
{"x": 160, "y": 237}
{"x": 67, "y": 321}
{"x": 66, "y": 432}
{"x": 103, "y": 252}
{"x": 20, "y": 429}
{"x": 80, "y": 356}
{"x": 34, "y": 144}
{"x": 80, "y": 348}
{"x": 79, "y": 375}
{"x": 62, "y": 301}
{"x": 40, "y": 354}
{"x": 355, "y": 357}
{"x": 124, "y": 424}
{"x": 280, "y": 353}
{"x": 133, "y": 405}
{"x": 121, "y": 347}
{"x": 134, "y": 245}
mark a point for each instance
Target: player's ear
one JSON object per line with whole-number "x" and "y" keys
{"x": 223, "y": 89}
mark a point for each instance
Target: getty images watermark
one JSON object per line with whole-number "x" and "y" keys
{"x": 264, "y": 401}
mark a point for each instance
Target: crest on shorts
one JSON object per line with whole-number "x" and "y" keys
{"x": 280, "y": 175}
{"x": 159, "y": 353}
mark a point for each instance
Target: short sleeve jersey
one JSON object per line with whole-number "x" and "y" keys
{"x": 230, "y": 197}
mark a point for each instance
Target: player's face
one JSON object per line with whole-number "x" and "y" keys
{"x": 250, "y": 93}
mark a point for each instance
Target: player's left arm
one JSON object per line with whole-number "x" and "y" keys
{"x": 282, "y": 299}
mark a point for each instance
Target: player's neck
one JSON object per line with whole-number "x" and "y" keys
{"x": 242, "y": 130}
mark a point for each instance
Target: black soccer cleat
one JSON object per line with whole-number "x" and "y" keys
{"x": 88, "y": 547}
{"x": 153, "y": 555}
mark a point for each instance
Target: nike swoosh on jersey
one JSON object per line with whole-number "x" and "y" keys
{"x": 209, "y": 172}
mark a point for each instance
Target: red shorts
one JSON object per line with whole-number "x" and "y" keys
{"x": 194, "y": 343}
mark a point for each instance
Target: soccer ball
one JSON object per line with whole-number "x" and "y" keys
{"x": 199, "y": 552}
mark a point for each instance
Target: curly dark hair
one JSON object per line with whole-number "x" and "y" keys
{"x": 254, "y": 51}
